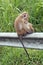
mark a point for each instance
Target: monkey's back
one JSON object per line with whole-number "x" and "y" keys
{"x": 19, "y": 26}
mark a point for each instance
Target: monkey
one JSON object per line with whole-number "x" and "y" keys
{"x": 23, "y": 27}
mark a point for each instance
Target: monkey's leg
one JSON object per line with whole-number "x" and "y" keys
{"x": 20, "y": 38}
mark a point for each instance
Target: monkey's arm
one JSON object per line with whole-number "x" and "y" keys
{"x": 28, "y": 27}
{"x": 18, "y": 26}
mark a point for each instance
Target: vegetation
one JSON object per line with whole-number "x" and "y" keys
{"x": 17, "y": 56}
{"x": 9, "y": 10}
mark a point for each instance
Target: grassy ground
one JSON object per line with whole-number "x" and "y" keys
{"x": 9, "y": 10}
{"x": 17, "y": 56}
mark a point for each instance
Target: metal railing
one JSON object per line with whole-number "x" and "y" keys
{"x": 34, "y": 40}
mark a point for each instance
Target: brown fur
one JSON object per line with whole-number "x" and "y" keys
{"x": 21, "y": 24}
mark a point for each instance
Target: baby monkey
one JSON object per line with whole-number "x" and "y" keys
{"x": 23, "y": 27}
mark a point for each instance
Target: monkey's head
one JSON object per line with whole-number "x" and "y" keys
{"x": 24, "y": 16}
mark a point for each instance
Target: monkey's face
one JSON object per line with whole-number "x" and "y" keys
{"x": 24, "y": 16}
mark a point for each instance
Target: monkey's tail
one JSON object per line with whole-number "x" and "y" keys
{"x": 24, "y": 47}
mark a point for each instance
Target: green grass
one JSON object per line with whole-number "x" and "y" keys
{"x": 17, "y": 56}
{"x": 9, "y": 10}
